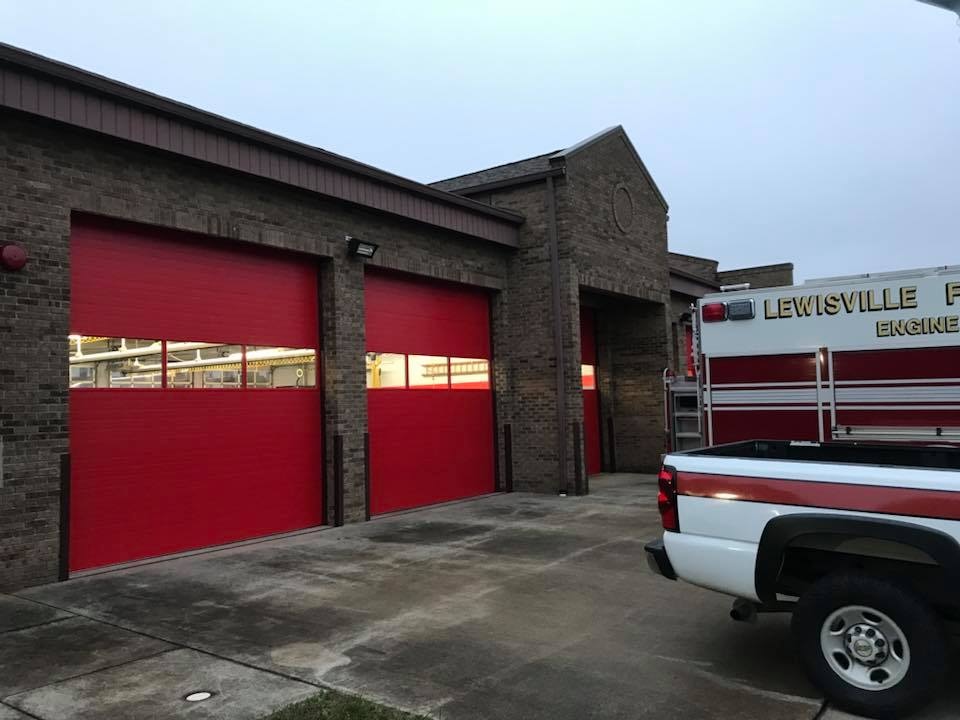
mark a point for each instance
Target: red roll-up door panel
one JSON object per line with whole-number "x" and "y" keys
{"x": 591, "y": 399}
{"x": 162, "y": 470}
{"x": 138, "y": 281}
{"x": 423, "y": 318}
{"x": 428, "y": 445}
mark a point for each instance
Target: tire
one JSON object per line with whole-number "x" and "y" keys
{"x": 894, "y": 643}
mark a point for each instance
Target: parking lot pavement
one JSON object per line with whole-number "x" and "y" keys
{"x": 509, "y": 606}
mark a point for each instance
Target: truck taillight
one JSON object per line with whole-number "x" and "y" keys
{"x": 667, "y": 499}
{"x": 714, "y": 312}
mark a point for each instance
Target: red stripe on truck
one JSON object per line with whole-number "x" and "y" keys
{"x": 940, "y": 504}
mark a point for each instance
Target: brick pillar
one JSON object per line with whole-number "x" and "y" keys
{"x": 636, "y": 349}
{"x": 502, "y": 383}
{"x": 34, "y": 311}
{"x": 344, "y": 382}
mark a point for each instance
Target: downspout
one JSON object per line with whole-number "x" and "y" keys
{"x": 557, "y": 336}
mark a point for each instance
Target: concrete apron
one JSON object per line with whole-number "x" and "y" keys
{"x": 511, "y": 606}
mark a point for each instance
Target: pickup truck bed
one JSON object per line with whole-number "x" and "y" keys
{"x": 776, "y": 523}
{"x": 934, "y": 458}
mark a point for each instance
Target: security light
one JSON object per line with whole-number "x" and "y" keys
{"x": 361, "y": 248}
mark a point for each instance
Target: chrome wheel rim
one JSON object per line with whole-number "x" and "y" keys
{"x": 865, "y": 647}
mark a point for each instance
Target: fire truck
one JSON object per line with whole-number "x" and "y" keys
{"x": 831, "y": 489}
{"x": 873, "y": 357}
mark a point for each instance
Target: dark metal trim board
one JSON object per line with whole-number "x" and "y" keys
{"x": 37, "y": 85}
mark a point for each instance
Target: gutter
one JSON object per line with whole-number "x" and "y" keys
{"x": 528, "y": 179}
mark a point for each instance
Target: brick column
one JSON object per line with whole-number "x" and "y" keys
{"x": 634, "y": 337}
{"x": 34, "y": 312}
{"x": 344, "y": 382}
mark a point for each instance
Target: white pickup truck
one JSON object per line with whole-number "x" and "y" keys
{"x": 860, "y": 542}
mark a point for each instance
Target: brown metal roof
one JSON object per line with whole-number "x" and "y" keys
{"x": 35, "y": 84}
{"x": 538, "y": 167}
{"x": 498, "y": 175}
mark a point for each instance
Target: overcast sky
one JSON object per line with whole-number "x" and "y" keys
{"x": 823, "y": 132}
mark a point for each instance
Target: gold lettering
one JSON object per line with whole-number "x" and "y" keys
{"x": 831, "y": 303}
{"x": 819, "y": 304}
{"x": 896, "y": 328}
{"x": 908, "y": 297}
{"x": 953, "y": 324}
{"x": 768, "y": 311}
{"x": 953, "y": 292}
{"x": 784, "y": 307}
{"x": 883, "y": 328}
{"x": 850, "y": 300}
{"x": 913, "y": 326}
{"x": 803, "y": 305}
{"x": 938, "y": 324}
{"x": 888, "y": 303}
{"x": 872, "y": 304}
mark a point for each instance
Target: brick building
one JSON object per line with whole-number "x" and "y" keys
{"x": 197, "y": 350}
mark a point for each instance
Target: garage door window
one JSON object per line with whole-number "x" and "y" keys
{"x": 426, "y": 372}
{"x": 429, "y": 371}
{"x": 105, "y": 362}
{"x": 386, "y": 370}
{"x": 204, "y": 365}
{"x": 281, "y": 367}
{"x": 108, "y": 362}
{"x": 588, "y": 377}
{"x": 469, "y": 374}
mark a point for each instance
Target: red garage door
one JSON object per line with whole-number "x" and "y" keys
{"x": 429, "y": 403}
{"x": 195, "y": 415}
{"x": 591, "y": 400}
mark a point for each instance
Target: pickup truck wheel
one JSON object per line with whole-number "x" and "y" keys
{"x": 873, "y": 647}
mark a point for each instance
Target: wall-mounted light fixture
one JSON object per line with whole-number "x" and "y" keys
{"x": 361, "y": 248}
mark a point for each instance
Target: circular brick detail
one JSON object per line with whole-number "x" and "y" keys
{"x": 622, "y": 207}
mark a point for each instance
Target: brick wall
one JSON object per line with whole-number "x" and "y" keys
{"x": 762, "y": 276}
{"x": 623, "y": 268}
{"x": 633, "y": 334}
{"x": 619, "y": 259}
{"x": 693, "y": 265}
{"x": 526, "y": 385}
{"x": 614, "y": 227}
{"x": 46, "y": 172}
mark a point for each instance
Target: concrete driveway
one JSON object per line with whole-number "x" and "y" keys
{"x": 510, "y": 606}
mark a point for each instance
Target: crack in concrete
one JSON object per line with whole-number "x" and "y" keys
{"x": 84, "y": 674}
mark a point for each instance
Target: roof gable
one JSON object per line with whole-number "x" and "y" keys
{"x": 616, "y": 130}
{"x": 538, "y": 167}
